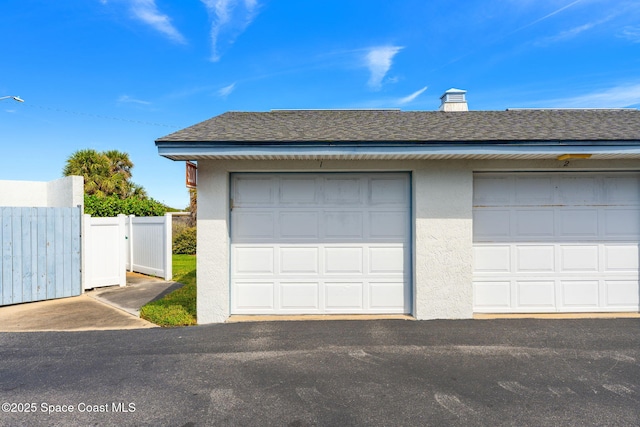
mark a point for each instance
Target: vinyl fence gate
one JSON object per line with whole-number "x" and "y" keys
{"x": 114, "y": 245}
{"x": 41, "y": 254}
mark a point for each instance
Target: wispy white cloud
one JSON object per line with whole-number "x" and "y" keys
{"x": 379, "y": 61}
{"x": 147, "y": 12}
{"x": 547, "y": 16}
{"x": 414, "y": 95}
{"x": 126, "y": 99}
{"x": 574, "y": 32}
{"x": 564, "y": 35}
{"x": 615, "y": 97}
{"x": 225, "y": 91}
{"x": 631, "y": 33}
{"x": 229, "y": 18}
{"x": 385, "y": 102}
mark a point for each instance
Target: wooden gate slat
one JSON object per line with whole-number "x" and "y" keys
{"x": 40, "y": 254}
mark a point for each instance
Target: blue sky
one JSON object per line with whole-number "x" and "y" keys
{"x": 118, "y": 74}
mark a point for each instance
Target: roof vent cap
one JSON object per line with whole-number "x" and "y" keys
{"x": 454, "y": 100}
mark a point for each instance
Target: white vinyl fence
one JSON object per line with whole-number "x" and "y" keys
{"x": 104, "y": 251}
{"x": 149, "y": 248}
{"x": 117, "y": 244}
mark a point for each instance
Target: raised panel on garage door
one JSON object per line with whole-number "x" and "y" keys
{"x": 556, "y": 242}
{"x": 309, "y": 243}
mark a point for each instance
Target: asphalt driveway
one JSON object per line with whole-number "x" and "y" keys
{"x": 338, "y": 373}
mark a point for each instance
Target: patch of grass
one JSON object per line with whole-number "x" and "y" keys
{"x": 183, "y": 264}
{"x": 179, "y": 307}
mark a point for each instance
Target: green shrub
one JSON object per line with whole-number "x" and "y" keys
{"x": 97, "y": 206}
{"x": 178, "y": 225}
{"x": 185, "y": 242}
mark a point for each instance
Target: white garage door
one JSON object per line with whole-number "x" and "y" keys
{"x": 320, "y": 243}
{"x": 556, "y": 242}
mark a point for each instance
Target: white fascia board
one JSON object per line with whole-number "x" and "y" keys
{"x": 183, "y": 151}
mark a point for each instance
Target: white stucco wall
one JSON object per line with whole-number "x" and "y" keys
{"x": 23, "y": 193}
{"x": 213, "y": 243}
{"x": 442, "y": 229}
{"x": 63, "y": 192}
{"x": 443, "y": 241}
{"x": 66, "y": 192}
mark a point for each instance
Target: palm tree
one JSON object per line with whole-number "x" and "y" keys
{"x": 105, "y": 173}
{"x": 193, "y": 207}
{"x": 119, "y": 163}
{"x": 92, "y": 166}
{"x": 137, "y": 191}
{"x": 120, "y": 172}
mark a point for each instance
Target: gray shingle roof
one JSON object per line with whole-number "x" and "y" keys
{"x": 414, "y": 126}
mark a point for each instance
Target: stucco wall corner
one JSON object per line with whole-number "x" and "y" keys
{"x": 213, "y": 299}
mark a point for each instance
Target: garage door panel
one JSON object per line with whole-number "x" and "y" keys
{"x": 388, "y": 225}
{"x": 344, "y": 225}
{"x": 252, "y": 191}
{"x": 579, "y": 258}
{"x": 534, "y": 223}
{"x": 493, "y": 191}
{"x": 254, "y": 225}
{"x": 574, "y": 190}
{"x": 297, "y": 260}
{"x": 299, "y": 225}
{"x": 492, "y": 259}
{"x": 535, "y": 258}
{"x": 581, "y": 223}
{"x": 386, "y": 295}
{"x": 340, "y": 260}
{"x": 253, "y": 260}
{"x": 388, "y": 191}
{"x": 386, "y": 260}
{"x": 536, "y": 294}
{"x": 491, "y": 224}
{"x": 298, "y": 191}
{"x": 533, "y": 190}
{"x": 579, "y": 293}
{"x": 622, "y": 190}
{"x": 343, "y": 191}
{"x": 573, "y": 242}
{"x": 254, "y": 296}
{"x": 341, "y": 296}
{"x": 622, "y": 223}
{"x": 622, "y": 293}
{"x": 621, "y": 258}
{"x": 492, "y": 295}
{"x": 298, "y": 296}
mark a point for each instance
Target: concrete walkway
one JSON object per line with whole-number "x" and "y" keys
{"x": 98, "y": 309}
{"x": 139, "y": 291}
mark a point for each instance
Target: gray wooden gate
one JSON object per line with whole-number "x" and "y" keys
{"x": 40, "y": 254}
